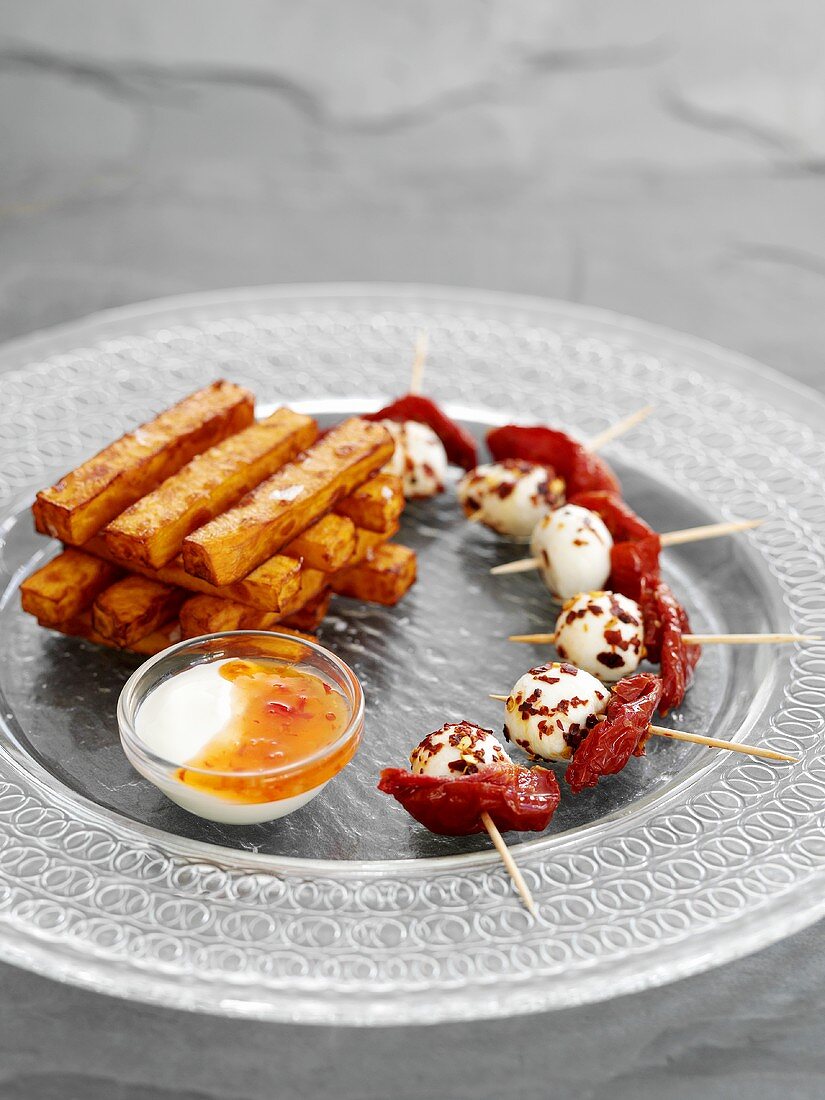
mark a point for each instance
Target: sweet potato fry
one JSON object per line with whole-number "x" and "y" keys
{"x": 328, "y": 544}
{"x": 375, "y": 505}
{"x": 86, "y": 499}
{"x": 312, "y": 584}
{"x": 269, "y": 587}
{"x": 66, "y": 585}
{"x": 367, "y": 541}
{"x": 151, "y": 530}
{"x": 133, "y": 607}
{"x": 81, "y": 627}
{"x": 206, "y": 615}
{"x": 383, "y": 577}
{"x": 233, "y": 544}
{"x": 312, "y": 614}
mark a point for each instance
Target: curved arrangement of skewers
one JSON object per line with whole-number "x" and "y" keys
{"x": 205, "y": 520}
{"x": 592, "y": 708}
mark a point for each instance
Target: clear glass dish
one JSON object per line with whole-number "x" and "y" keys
{"x": 268, "y": 793}
{"x": 346, "y": 911}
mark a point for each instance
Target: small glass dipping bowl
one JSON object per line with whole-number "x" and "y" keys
{"x": 236, "y": 797}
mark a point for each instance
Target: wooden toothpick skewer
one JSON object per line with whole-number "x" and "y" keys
{"x": 700, "y": 739}
{"x": 508, "y": 861}
{"x": 619, "y": 428}
{"x": 671, "y": 538}
{"x": 716, "y": 743}
{"x": 748, "y": 639}
{"x": 422, "y": 344}
{"x": 521, "y": 565}
{"x": 694, "y": 639}
{"x": 709, "y": 531}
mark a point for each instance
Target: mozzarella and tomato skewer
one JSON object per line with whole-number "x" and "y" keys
{"x": 561, "y": 543}
{"x": 426, "y": 439}
{"x": 596, "y": 541}
{"x": 462, "y": 781}
{"x": 557, "y": 712}
{"x": 608, "y": 635}
{"x": 533, "y": 470}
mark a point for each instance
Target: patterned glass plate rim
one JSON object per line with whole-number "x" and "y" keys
{"x": 728, "y": 861}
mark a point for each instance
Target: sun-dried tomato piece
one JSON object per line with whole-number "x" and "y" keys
{"x": 620, "y": 734}
{"x": 634, "y": 557}
{"x": 581, "y": 469}
{"x": 634, "y": 568}
{"x": 619, "y": 518}
{"x": 458, "y": 443}
{"x": 676, "y": 659}
{"x": 517, "y": 798}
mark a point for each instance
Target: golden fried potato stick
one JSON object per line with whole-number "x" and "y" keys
{"x": 81, "y": 627}
{"x": 66, "y": 585}
{"x": 85, "y": 500}
{"x": 152, "y": 530}
{"x": 312, "y": 614}
{"x": 280, "y": 508}
{"x": 334, "y": 541}
{"x": 303, "y": 614}
{"x": 383, "y": 577}
{"x": 133, "y": 607}
{"x": 206, "y": 615}
{"x": 376, "y": 505}
{"x": 269, "y": 587}
{"x": 367, "y": 541}
{"x": 329, "y": 544}
{"x": 314, "y": 582}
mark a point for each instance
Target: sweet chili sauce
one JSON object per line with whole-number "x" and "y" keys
{"x": 280, "y": 717}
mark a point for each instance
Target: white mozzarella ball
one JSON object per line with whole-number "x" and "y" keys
{"x": 457, "y": 749}
{"x": 419, "y": 459}
{"x": 601, "y": 632}
{"x": 551, "y": 708}
{"x": 572, "y": 546}
{"x": 510, "y": 496}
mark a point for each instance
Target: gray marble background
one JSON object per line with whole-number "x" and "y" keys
{"x": 660, "y": 158}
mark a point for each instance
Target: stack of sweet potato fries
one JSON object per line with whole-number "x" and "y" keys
{"x": 205, "y": 519}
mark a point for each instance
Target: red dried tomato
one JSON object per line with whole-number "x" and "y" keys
{"x": 619, "y": 518}
{"x": 581, "y": 469}
{"x": 634, "y": 557}
{"x": 634, "y": 568}
{"x": 676, "y": 660}
{"x": 523, "y": 799}
{"x": 620, "y": 734}
{"x": 458, "y": 443}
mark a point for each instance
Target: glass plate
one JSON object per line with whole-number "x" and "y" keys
{"x": 348, "y": 911}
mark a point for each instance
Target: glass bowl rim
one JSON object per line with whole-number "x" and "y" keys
{"x": 129, "y": 702}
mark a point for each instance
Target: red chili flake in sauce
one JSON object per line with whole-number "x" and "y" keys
{"x": 280, "y": 715}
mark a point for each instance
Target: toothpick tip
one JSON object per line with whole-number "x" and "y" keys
{"x": 620, "y": 428}
{"x": 521, "y": 565}
{"x": 509, "y": 862}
